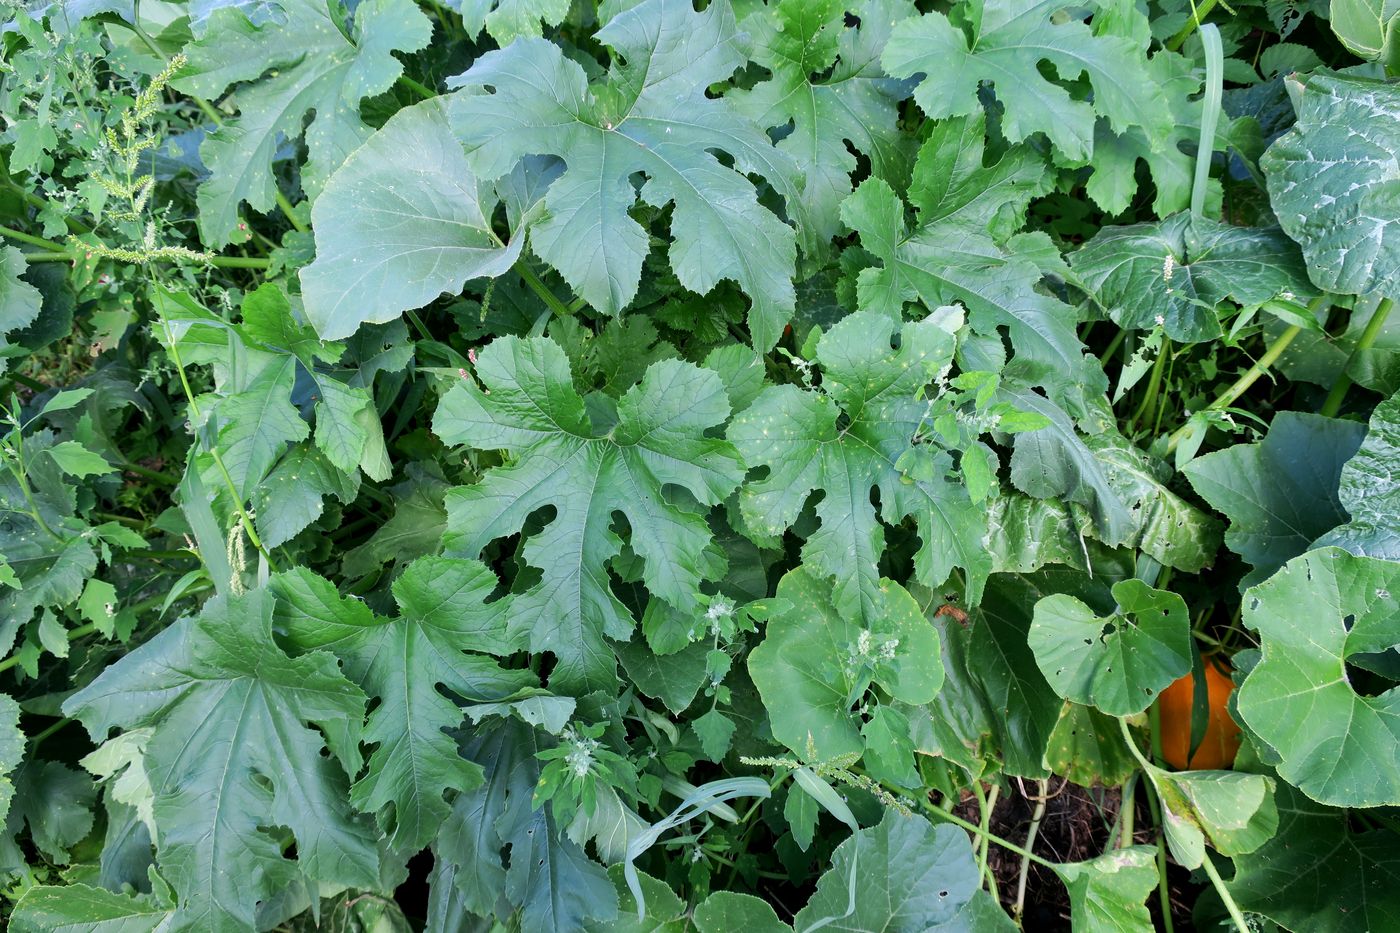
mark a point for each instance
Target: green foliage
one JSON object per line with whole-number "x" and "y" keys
{"x": 771, "y": 466}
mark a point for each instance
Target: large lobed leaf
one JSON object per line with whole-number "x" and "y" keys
{"x": 236, "y": 749}
{"x": 311, "y": 64}
{"x": 844, "y": 440}
{"x": 1318, "y": 613}
{"x": 650, "y": 115}
{"x": 1004, "y": 42}
{"x": 445, "y": 636}
{"x": 400, "y": 222}
{"x": 587, "y": 470}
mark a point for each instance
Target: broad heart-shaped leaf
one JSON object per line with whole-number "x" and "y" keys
{"x": 1106, "y": 894}
{"x": 853, "y": 102}
{"x": 507, "y": 20}
{"x": 401, "y": 663}
{"x": 81, "y": 908}
{"x": 399, "y": 223}
{"x": 586, "y": 472}
{"x": 1117, "y": 663}
{"x": 20, "y": 302}
{"x": 1175, "y": 273}
{"x": 1337, "y": 746}
{"x": 949, "y": 256}
{"x": 1234, "y": 813}
{"x": 1005, "y": 43}
{"x": 651, "y": 115}
{"x": 1318, "y": 873}
{"x": 553, "y": 883}
{"x": 909, "y": 877}
{"x": 1370, "y": 490}
{"x": 1334, "y": 182}
{"x": 1280, "y": 495}
{"x": 844, "y": 441}
{"x": 311, "y": 65}
{"x": 231, "y": 752}
{"x": 1369, "y": 28}
{"x": 815, "y": 663}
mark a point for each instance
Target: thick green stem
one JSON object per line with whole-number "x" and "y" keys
{"x": 539, "y": 288}
{"x": 290, "y": 213}
{"x": 1242, "y": 384}
{"x": 1176, "y": 41}
{"x": 31, "y": 239}
{"x": 422, "y": 90}
{"x": 1234, "y": 909}
{"x": 1333, "y": 404}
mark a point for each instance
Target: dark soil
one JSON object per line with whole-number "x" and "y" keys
{"x": 1075, "y": 827}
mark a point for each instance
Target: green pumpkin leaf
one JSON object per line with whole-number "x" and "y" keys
{"x": 726, "y": 911}
{"x": 1280, "y": 495}
{"x": 1333, "y": 183}
{"x": 852, "y": 102}
{"x": 1233, "y": 813}
{"x": 909, "y": 877}
{"x": 300, "y": 63}
{"x": 1370, "y": 490}
{"x": 846, "y": 439}
{"x": 233, "y": 751}
{"x": 650, "y": 115}
{"x": 400, "y": 222}
{"x": 816, "y": 662}
{"x": 1318, "y": 873}
{"x": 1106, "y": 894}
{"x": 1086, "y": 747}
{"x": 402, "y": 663}
{"x": 1005, "y": 43}
{"x": 1337, "y": 746}
{"x": 530, "y": 407}
{"x": 500, "y": 847}
{"x": 81, "y": 908}
{"x": 1177, "y": 272}
{"x": 1116, "y": 663}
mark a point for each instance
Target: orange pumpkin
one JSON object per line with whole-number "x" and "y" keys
{"x": 1222, "y": 737}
